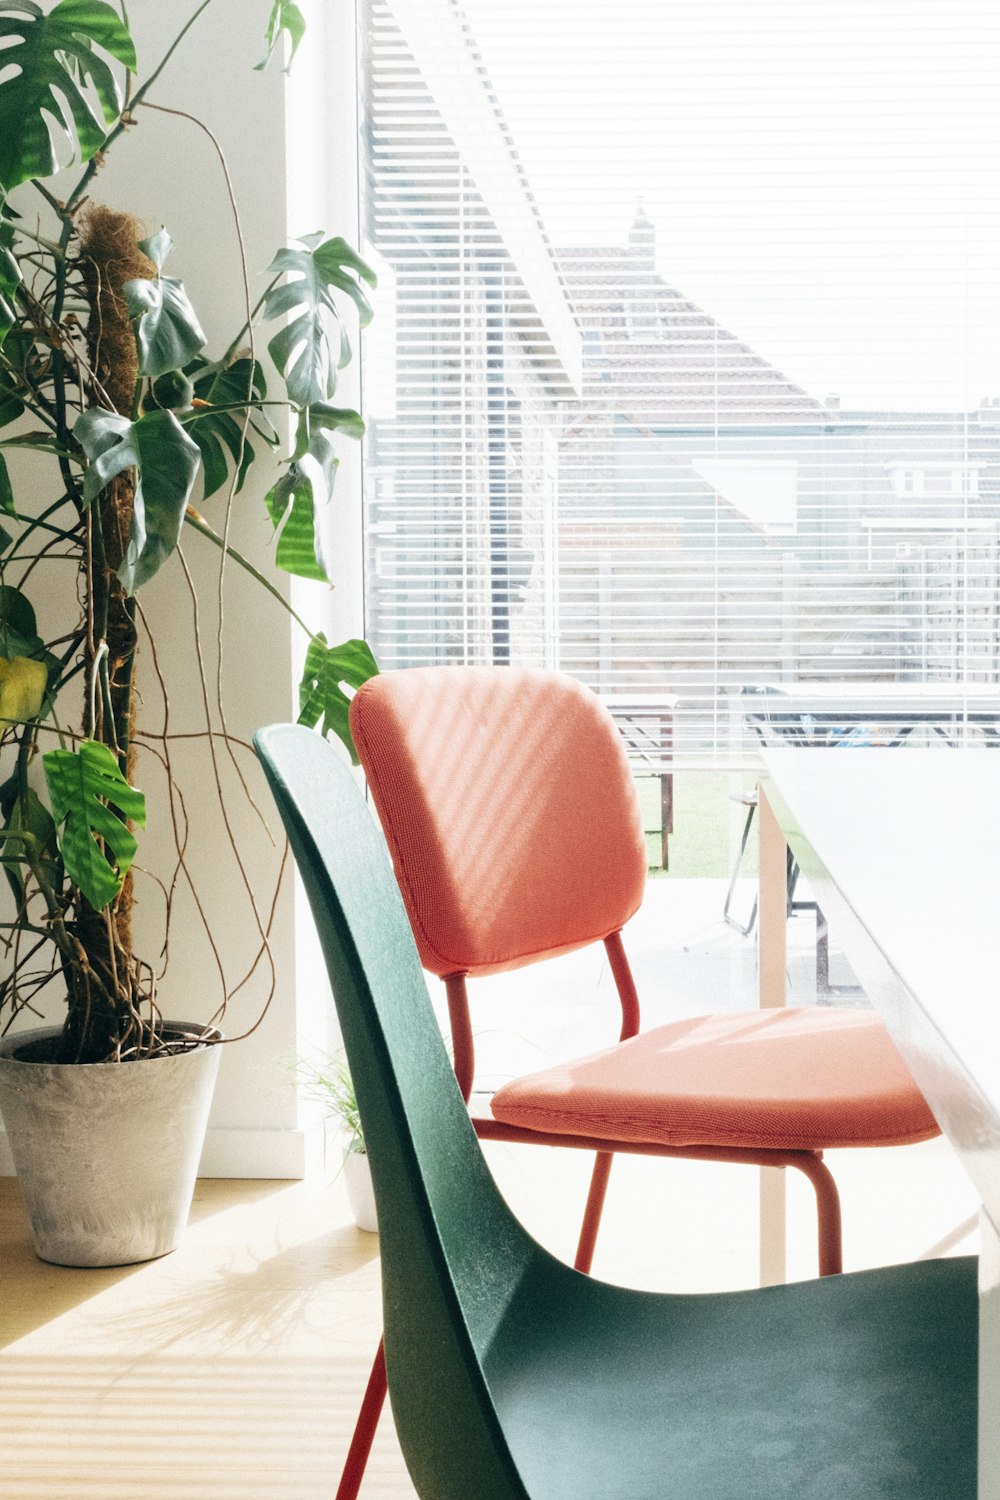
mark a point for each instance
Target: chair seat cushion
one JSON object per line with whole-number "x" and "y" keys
{"x": 856, "y": 1387}
{"x": 792, "y": 1079}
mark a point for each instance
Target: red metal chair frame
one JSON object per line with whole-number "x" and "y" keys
{"x": 439, "y": 744}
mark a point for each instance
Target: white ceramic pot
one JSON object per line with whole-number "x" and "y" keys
{"x": 360, "y": 1193}
{"x": 107, "y": 1153}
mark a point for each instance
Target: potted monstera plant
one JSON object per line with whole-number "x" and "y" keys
{"x": 106, "y": 384}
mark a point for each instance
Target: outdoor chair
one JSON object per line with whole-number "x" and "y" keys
{"x": 510, "y": 812}
{"x": 793, "y": 907}
{"x": 513, "y": 1377}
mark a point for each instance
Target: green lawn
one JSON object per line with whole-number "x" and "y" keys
{"x": 707, "y": 824}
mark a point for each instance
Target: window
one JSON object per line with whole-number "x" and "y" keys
{"x": 632, "y": 251}
{"x": 936, "y": 479}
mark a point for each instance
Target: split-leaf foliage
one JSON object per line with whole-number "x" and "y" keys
{"x": 124, "y": 474}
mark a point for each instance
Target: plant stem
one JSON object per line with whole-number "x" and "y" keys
{"x": 214, "y": 408}
{"x": 195, "y": 519}
{"x": 35, "y": 525}
{"x": 39, "y": 239}
{"x": 39, "y": 444}
{"x": 72, "y": 202}
{"x": 248, "y": 325}
{"x": 95, "y": 669}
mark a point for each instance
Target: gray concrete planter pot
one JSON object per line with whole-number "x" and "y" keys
{"x": 106, "y": 1153}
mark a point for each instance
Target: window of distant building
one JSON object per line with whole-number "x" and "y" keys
{"x": 935, "y": 479}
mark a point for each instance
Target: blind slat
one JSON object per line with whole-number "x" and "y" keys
{"x": 683, "y": 375}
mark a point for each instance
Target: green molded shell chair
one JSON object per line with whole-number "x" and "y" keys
{"x": 513, "y": 1377}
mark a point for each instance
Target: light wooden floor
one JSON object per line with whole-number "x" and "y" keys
{"x": 231, "y": 1369}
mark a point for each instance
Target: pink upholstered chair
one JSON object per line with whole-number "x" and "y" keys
{"x": 510, "y": 812}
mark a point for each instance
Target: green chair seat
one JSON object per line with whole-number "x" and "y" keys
{"x": 857, "y": 1387}
{"x": 511, "y": 1376}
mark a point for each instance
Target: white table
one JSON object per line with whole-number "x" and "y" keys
{"x": 902, "y": 848}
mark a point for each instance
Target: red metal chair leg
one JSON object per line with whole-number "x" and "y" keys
{"x": 592, "y": 1214}
{"x": 364, "y": 1429}
{"x": 829, "y": 1234}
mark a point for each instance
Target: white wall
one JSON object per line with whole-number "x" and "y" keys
{"x": 290, "y": 177}
{"x": 322, "y": 192}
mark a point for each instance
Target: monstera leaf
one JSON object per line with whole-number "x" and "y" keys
{"x": 297, "y": 502}
{"x": 33, "y": 818}
{"x": 11, "y": 406}
{"x": 29, "y": 674}
{"x": 325, "y": 418}
{"x": 322, "y": 699}
{"x": 57, "y": 92}
{"x": 285, "y": 17}
{"x": 18, "y": 630}
{"x": 23, "y": 682}
{"x": 303, "y": 350}
{"x": 10, "y": 280}
{"x": 6, "y": 494}
{"x": 97, "y": 849}
{"x": 167, "y": 331}
{"x": 219, "y": 431}
{"x": 295, "y": 506}
{"x": 166, "y": 463}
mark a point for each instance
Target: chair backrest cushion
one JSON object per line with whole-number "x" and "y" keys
{"x": 509, "y": 808}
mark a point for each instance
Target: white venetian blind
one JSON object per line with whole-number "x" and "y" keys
{"x": 686, "y": 371}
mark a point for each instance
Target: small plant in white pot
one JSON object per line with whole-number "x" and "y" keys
{"x": 120, "y": 417}
{"x": 332, "y": 1086}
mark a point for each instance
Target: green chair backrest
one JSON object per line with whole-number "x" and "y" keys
{"x": 453, "y": 1256}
